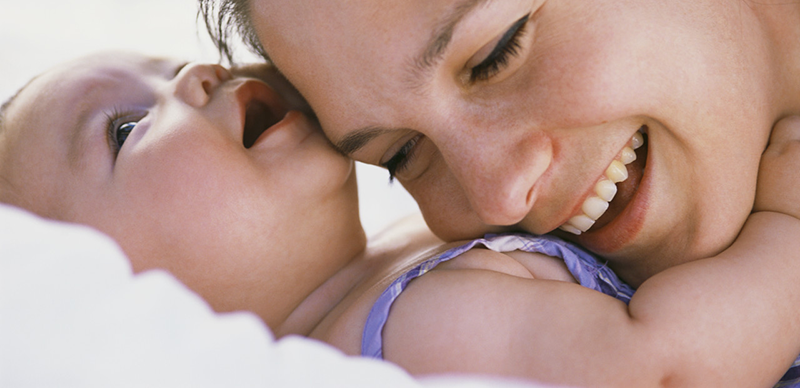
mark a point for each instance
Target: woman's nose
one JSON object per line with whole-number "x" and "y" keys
{"x": 196, "y": 82}
{"x": 499, "y": 178}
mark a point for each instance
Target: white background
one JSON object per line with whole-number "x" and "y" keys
{"x": 35, "y": 35}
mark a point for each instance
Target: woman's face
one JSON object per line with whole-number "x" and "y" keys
{"x": 213, "y": 177}
{"x": 506, "y": 114}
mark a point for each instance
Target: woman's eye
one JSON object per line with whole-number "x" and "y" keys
{"x": 401, "y": 159}
{"x": 507, "y": 47}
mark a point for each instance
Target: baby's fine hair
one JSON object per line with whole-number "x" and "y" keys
{"x": 7, "y": 104}
{"x": 227, "y": 21}
{"x": 3, "y": 109}
{"x": 8, "y": 193}
{"x": 5, "y": 187}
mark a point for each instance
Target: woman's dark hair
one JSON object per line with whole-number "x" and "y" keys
{"x": 227, "y": 20}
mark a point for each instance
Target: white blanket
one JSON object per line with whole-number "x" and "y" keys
{"x": 72, "y": 314}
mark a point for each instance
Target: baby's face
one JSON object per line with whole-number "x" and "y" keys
{"x": 211, "y": 176}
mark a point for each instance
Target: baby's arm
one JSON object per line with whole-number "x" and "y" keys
{"x": 729, "y": 321}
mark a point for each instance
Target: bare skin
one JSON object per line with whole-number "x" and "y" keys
{"x": 278, "y": 235}
{"x": 521, "y": 143}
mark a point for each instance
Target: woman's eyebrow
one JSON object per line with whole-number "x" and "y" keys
{"x": 359, "y": 138}
{"x": 441, "y": 37}
{"x": 434, "y": 50}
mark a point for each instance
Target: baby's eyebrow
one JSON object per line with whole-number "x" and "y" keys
{"x": 81, "y": 133}
{"x": 179, "y": 68}
{"x": 86, "y": 125}
{"x": 7, "y": 104}
{"x": 359, "y": 138}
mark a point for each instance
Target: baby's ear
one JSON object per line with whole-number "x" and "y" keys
{"x": 786, "y": 129}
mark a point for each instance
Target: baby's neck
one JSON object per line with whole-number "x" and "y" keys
{"x": 314, "y": 308}
{"x": 405, "y": 239}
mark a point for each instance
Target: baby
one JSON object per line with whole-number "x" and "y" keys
{"x": 223, "y": 180}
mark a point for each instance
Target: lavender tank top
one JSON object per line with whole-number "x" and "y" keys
{"x": 585, "y": 268}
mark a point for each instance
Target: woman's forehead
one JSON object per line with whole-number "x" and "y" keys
{"x": 370, "y": 63}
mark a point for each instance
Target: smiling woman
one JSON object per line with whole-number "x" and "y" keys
{"x": 517, "y": 110}
{"x": 634, "y": 128}
{"x": 152, "y": 152}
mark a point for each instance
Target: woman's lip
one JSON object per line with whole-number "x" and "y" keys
{"x": 628, "y": 223}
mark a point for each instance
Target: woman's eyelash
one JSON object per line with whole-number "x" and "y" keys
{"x": 401, "y": 158}
{"x": 509, "y": 45}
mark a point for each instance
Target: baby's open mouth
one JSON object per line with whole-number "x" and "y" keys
{"x": 612, "y": 192}
{"x": 258, "y": 118}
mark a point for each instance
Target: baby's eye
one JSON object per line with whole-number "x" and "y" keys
{"x": 119, "y": 127}
{"x": 123, "y": 131}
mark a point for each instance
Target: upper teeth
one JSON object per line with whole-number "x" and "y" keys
{"x": 596, "y": 205}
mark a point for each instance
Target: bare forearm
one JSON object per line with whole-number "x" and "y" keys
{"x": 741, "y": 302}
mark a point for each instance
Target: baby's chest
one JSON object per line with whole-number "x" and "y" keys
{"x": 343, "y": 326}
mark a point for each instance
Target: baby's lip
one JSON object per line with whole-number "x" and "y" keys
{"x": 260, "y": 108}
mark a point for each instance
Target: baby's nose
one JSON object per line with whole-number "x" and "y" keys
{"x": 196, "y": 82}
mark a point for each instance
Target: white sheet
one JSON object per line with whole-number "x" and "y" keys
{"x": 72, "y": 314}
